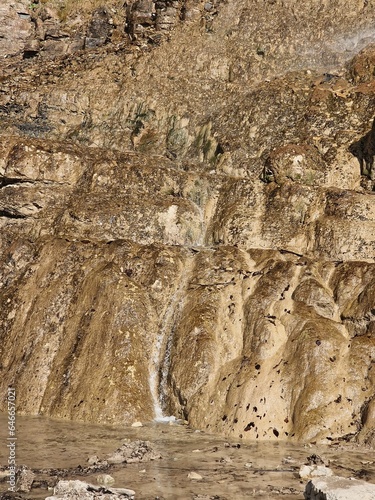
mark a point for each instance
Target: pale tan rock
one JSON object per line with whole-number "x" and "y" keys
{"x": 195, "y": 476}
{"x": 105, "y": 479}
{"x": 338, "y": 488}
{"x": 309, "y": 471}
{"x": 145, "y": 264}
{"x": 77, "y": 490}
{"x": 137, "y": 424}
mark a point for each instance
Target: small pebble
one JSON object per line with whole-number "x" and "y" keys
{"x": 93, "y": 460}
{"x": 194, "y": 475}
{"x": 104, "y": 479}
{"x": 137, "y": 424}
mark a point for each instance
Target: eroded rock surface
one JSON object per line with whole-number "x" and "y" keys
{"x": 338, "y": 488}
{"x": 185, "y": 222}
{"x": 77, "y": 490}
{"x": 133, "y": 452}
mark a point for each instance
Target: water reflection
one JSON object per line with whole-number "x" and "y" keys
{"x": 228, "y": 469}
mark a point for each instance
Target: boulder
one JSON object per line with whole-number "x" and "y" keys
{"x": 25, "y": 478}
{"x": 133, "y": 452}
{"x": 338, "y": 488}
{"x": 79, "y": 490}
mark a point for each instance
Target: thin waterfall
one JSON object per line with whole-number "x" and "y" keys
{"x": 160, "y": 360}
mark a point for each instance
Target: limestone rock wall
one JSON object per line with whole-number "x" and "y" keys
{"x": 187, "y": 214}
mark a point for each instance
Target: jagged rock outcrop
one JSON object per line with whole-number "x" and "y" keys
{"x": 185, "y": 223}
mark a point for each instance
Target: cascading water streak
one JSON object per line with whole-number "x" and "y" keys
{"x": 160, "y": 360}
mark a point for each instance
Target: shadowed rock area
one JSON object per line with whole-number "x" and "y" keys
{"x": 187, "y": 214}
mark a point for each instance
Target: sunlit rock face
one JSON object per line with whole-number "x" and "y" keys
{"x": 187, "y": 214}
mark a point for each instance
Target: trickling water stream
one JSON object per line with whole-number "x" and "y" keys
{"x": 162, "y": 349}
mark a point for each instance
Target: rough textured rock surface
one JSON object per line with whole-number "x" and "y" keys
{"x": 338, "y": 488}
{"x": 25, "y": 478}
{"x": 79, "y": 490}
{"x": 132, "y": 452}
{"x": 186, "y": 226}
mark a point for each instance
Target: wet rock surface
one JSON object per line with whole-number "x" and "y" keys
{"x": 132, "y": 452}
{"x": 187, "y": 215}
{"x": 77, "y": 490}
{"x": 24, "y": 479}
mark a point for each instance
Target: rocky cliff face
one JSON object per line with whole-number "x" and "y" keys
{"x": 187, "y": 214}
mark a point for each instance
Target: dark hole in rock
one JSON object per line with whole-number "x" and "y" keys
{"x": 249, "y": 426}
{"x": 28, "y": 54}
{"x": 219, "y": 150}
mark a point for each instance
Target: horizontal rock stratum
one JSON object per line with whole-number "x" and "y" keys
{"x": 187, "y": 214}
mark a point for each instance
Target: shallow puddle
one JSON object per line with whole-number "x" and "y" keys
{"x": 229, "y": 469}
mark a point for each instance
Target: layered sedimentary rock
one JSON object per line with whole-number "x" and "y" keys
{"x": 186, "y": 226}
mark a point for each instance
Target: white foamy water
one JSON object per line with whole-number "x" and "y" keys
{"x": 154, "y": 376}
{"x": 160, "y": 360}
{"x": 162, "y": 419}
{"x": 352, "y": 43}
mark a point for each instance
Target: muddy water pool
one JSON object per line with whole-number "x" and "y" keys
{"x": 230, "y": 469}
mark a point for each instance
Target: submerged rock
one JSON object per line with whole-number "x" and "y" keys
{"x": 133, "y": 452}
